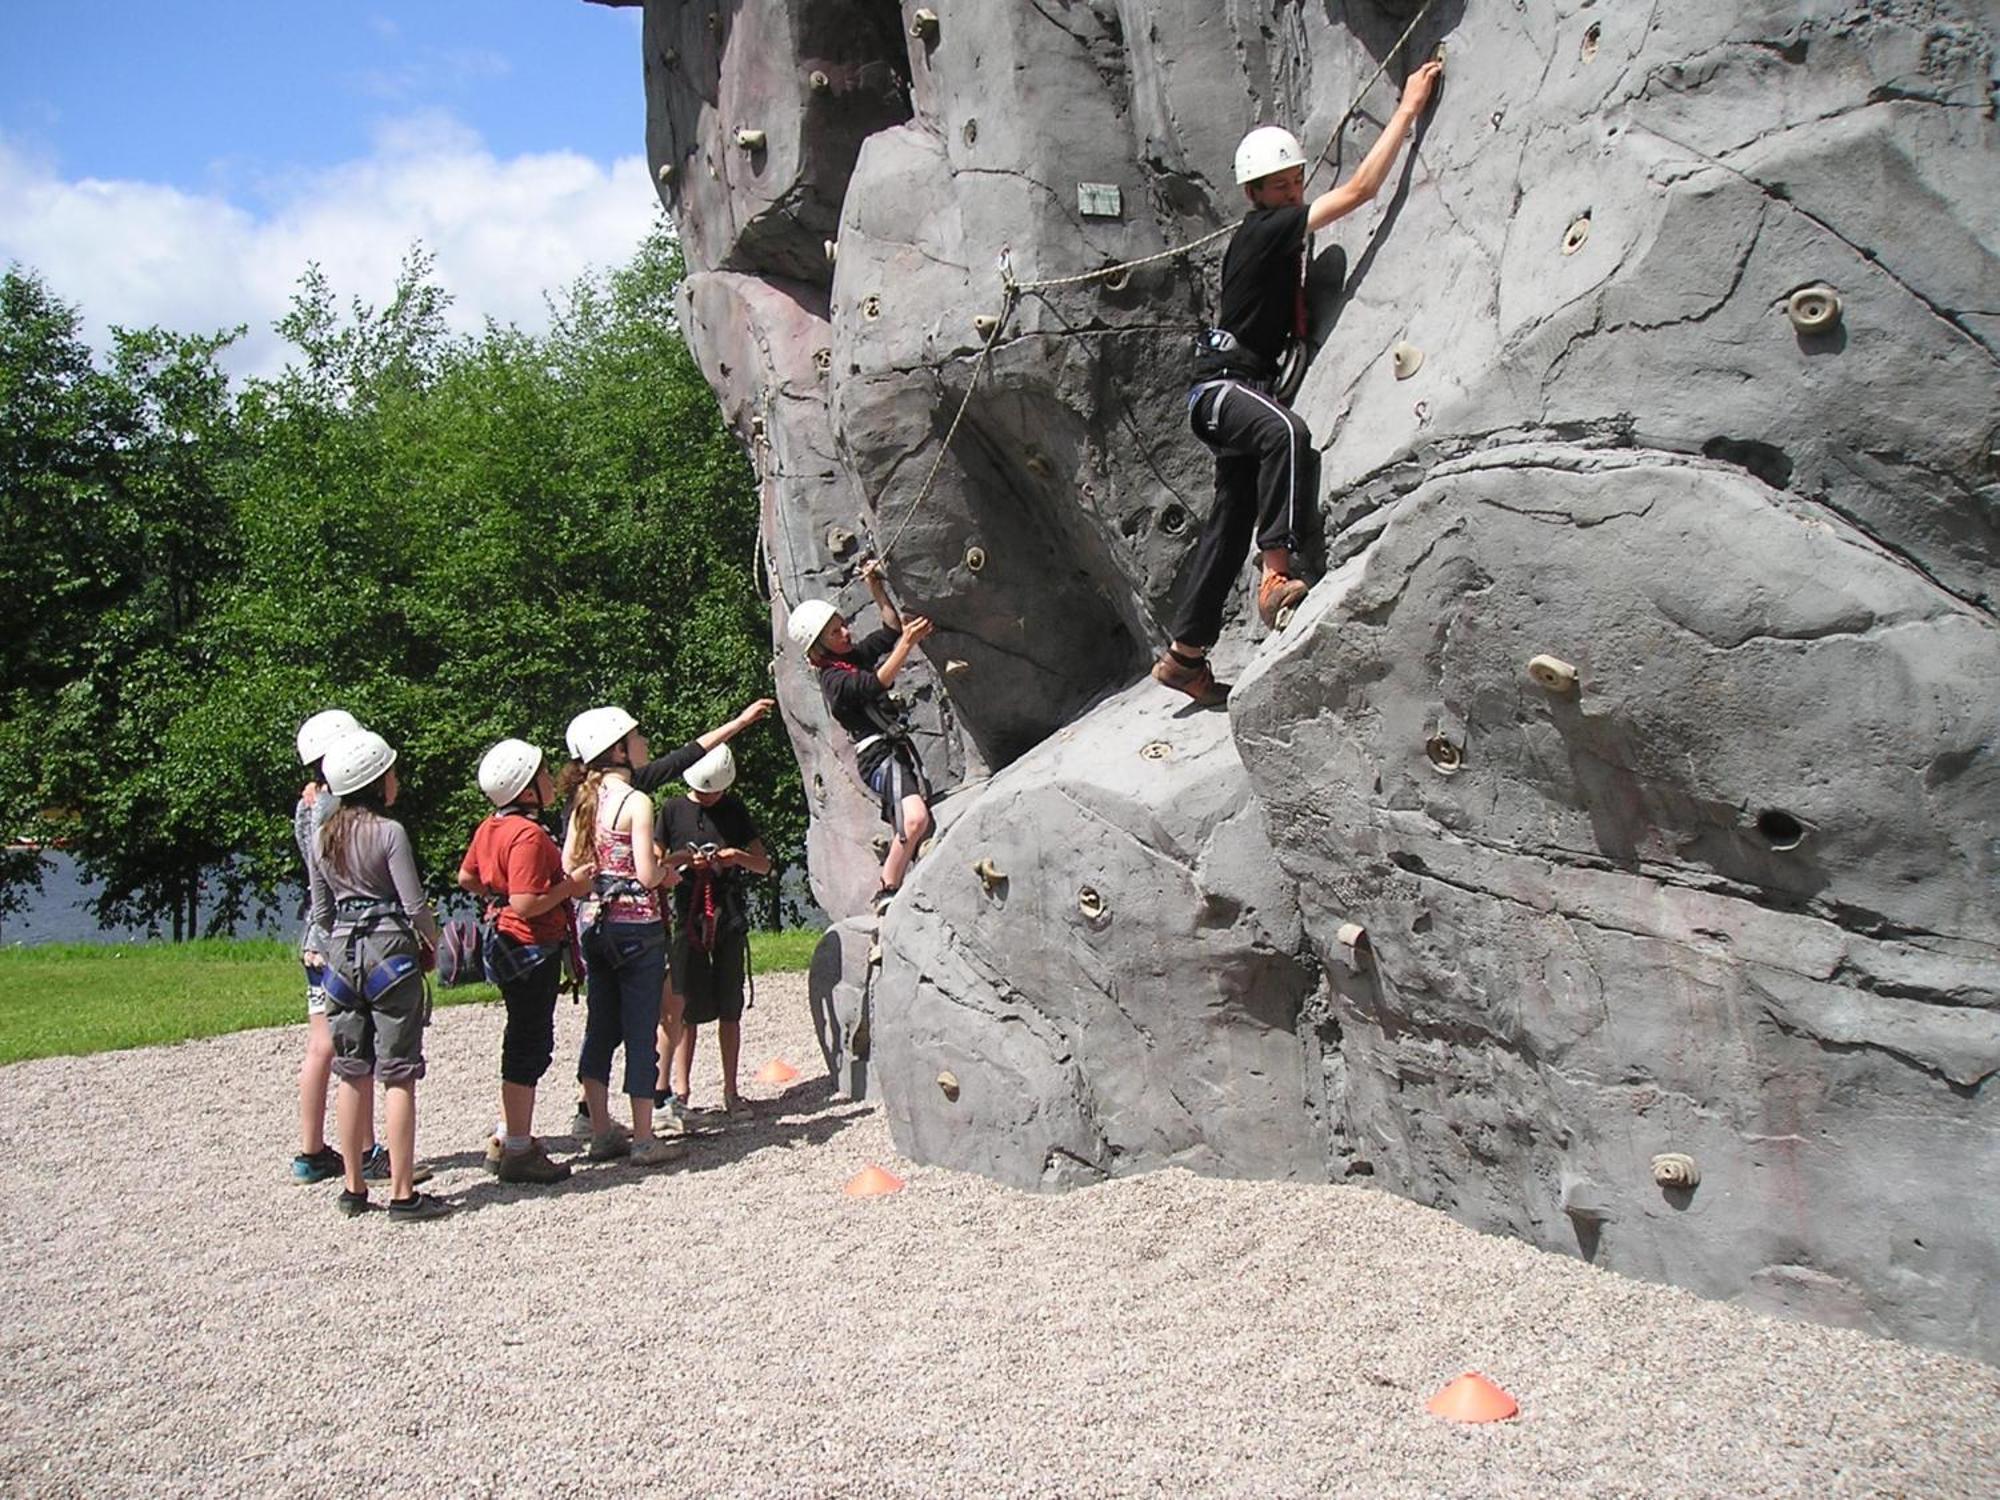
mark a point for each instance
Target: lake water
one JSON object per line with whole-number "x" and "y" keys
{"x": 61, "y": 913}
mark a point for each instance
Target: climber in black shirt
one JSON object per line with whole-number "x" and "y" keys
{"x": 855, "y": 678}
{"x": 1266, "y": 468}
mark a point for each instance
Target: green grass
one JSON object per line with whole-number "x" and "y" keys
{"x": 71, "y": 998}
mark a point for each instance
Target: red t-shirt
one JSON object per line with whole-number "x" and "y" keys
{"x": 513, "y": 855}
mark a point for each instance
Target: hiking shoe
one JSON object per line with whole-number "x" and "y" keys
{"x": 1198, "y": 682}
{"x": 653, "y": 1153}
{"x": 671, "y": 1118}
{"x": 532, "y": 1165}
{"x": 615, "y": 1142}
{"x": 1278, "y": 594}
{"x": 879, "y": 902}
{"x": 317, "y": 1166}
{"x": 417, "y": 1206}
{"x": 580, "y": 1126}
{"x": 375, "y": 1166}
{"x": 353, "y": 1203}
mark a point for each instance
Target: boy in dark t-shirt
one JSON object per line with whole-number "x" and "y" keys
{"x": 1266, "y": 468}
{"x": 855, "y": 678}
{"x": 710, "y": 837}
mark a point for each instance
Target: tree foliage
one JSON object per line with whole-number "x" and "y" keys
{"x": 456, "y": 538}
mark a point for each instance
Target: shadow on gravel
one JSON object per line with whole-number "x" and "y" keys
{"x": 806, "y": 1114}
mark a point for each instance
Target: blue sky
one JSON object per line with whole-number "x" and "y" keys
{"x": 181, "y": 161}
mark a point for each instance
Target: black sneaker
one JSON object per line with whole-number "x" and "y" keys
{"x": 417, "y": 1206}
{"x": 879, "y": 902}
{"x": 354, "y": 1204}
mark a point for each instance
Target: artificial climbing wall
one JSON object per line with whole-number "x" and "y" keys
{"x": 1607, "y": 852}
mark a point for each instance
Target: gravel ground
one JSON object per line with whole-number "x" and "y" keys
{"x": 180, "y": 1319}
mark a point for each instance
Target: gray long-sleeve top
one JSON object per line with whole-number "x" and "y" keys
{"x": 381, "y": 867}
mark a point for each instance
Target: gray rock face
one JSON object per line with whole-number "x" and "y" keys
{"x": 1716, "y": 882}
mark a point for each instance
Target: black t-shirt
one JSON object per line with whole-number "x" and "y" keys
{"x": 1262, "y": 281}
{"x": 853, "y": 692}
{"x": 682, "y": 821}
{"x": 662, "y": 769}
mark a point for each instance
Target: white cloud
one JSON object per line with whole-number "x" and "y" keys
{"x": 503, "y": 233}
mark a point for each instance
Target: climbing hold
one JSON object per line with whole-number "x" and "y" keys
{"x": 838, "y": 539}
{"x": 832, "y": 250}
{"x": 1590, "y": 39}
{"x": 957, "y": 667}
{"x": 1355, "y": 948}
{"x": 751, "y": 140}
{"x": 1676, "y": 1169}
{"x": 1552, "y": 673}
{"x": 1039, "y": 465}
{"x": 1422, "y": 412}
{"x": 1118, "y": 280}
{"x": 1576, "y": 234}
{"x": 1172, "y": 520}
{"x": 1090, "y": 903}
{"x": 975, "y": 558}
{"x": 990, "y": 875}
{"x": 757, "y": 429}
{"x": 924, "y": 25}
{"x": 871, "y": 306}
{"x": 1445, "y": 757}
{"x": 971, "y": 131}
{"x": 1156, "y": 750}
{"x": 1813, "y": 309}
{"x": 986, "y": 325}
{"x": 1498, "y": 116}
{"x": 819, "y": 81}
{"x": 1406, "y": 359}
{"x": 671, "y": 57}
{"x": 666, "y": 172}
{"x": 822, "y": 360}
{"x": 715, "y": 22}
{"x": 948, "y": 1085}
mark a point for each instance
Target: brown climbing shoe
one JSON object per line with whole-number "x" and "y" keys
{"x": 1277, "y": 596}
{"x": 1197, "y": 682}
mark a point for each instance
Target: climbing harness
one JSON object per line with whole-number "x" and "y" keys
{"x": 374, "y": 968}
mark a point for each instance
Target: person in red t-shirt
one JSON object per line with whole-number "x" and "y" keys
{"x": 515, "y": 863}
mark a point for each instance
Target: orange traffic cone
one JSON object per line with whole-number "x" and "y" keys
{"x": 1473, "y": 1398}
{"x": 872, "y": 1182}
{"x": 777, "y": 1071}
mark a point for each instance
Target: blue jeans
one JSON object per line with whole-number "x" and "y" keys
{"x": 628, "y": 967}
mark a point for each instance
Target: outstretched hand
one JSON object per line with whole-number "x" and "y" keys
{"x": 916, "y": 628}
{"x": 1417, "y": 90}
{"x": 755, "y": 711}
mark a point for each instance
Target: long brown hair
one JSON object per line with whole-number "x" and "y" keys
{"x": 583, "y": 785}
{"x": 336, "y": 836}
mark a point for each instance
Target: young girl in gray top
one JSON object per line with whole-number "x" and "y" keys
{"x": 380, "y": 935}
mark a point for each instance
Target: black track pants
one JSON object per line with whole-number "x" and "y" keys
{"x": 1266, "y": 473}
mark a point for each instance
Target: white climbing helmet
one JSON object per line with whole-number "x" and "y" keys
{"x": 355, "y": 761}
{"x": 1267, "y": 149}
{"x": 596, "y": 730}
{"x": 317, "y": 734}
{"x": 714, "y": 772}
{"x": 809, "y": 622}
{"x": 507, "y": 769}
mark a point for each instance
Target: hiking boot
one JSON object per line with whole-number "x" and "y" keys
{"x": 654, "y": 1153}
{"x": 375, "y": 1166}
{"x": 417, "y": 1206}
{"x": 1198, "y": 681}
{"x": 1278, "y": 594}
{"x": 317, "y": 1166}
{"x": 532, "y": 1165}
{"x": 615, "y": 1142}
{"x": 353, "y": 1204}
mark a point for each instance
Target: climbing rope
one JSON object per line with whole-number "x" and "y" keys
{"x": 1012, "y": 289}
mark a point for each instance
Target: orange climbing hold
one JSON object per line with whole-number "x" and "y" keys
{"x": 777, "y": 1071}
{"x": 1473, "y": 1398}
{"x": 872, "y": 1182}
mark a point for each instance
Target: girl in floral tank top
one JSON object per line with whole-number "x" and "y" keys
{"x": 624, "y": 941}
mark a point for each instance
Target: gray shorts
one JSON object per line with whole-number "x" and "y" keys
{"x": 382, "y": 1035}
